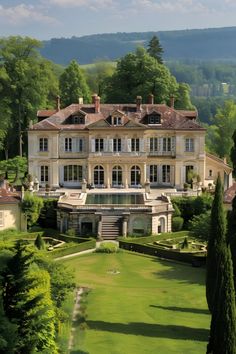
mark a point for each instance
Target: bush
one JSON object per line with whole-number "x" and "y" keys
{"x": 39, "y": 242}
{"x": 31, "y": 206}
{"x": 107, "y": 247}
{"x": 200, "y": 226}
{"x": 71, "y": 232}
{"x": 177, "y": 223}
{"x": 48, "y": 214}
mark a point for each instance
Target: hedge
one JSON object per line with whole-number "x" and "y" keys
{"x": 195, "y": 260}
{"x": 73, "y": 249}
{"x": 75, "y": 239}
{"x": 140, "y": 245}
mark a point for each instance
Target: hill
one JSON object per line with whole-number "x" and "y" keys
{"x": 187, "y": 45}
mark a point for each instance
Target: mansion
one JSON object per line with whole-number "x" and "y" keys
{"x": 120, "y": 146}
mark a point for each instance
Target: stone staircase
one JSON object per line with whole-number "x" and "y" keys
{"x": 111, "y": 227}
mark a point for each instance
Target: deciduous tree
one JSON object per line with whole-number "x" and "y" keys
{"x": 73, "y": 85}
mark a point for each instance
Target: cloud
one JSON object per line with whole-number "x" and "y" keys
{"x": 183, "y": 6}
{"x": 91, "y": 4}
{"x": 22, "y": 13}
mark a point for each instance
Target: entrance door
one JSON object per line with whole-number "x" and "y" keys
{"x": 98, "y": 176}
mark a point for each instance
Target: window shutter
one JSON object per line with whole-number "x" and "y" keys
{"x": 110, "y": 145}
{"x": 148, "y": 172}
{"x": 141, "y": 142}
{"x": 92, "y": 145}
{"x": 160, "y": 174}
{"x": 128, "y": 145}
{"x": 106, "y": 144}
{"x": 74, "y": 144}
{"x": 148, "y": 144}
{"x": 173, "y": 143}
{"x": 122, "y": 145}
{"x": 160, "y": 142}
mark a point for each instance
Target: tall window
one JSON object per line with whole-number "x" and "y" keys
{"x": 98, "y": 175}
{"x": 189, "y": 144}
{"x": 99, "y": 145}
{"x": 43, "y": 144}
{"x": 116, "y": 176}
{"x": 188, "y": 173}
{"x": 44, "y": 175}
{"x": 135, "y": 144}
{"x": 73, "y": 173}
{"x": 153, "y": 144}
{"x": 153, "y": 173}
{"x": 68, "y": 144}
{"x": 117, "y": 145}
{"x": 166, "y": 173}
{"x": 166, "y": 144}
{"x": 135, "y": 176}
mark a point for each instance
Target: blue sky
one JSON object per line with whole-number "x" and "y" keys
{"x": 44, "y": 19}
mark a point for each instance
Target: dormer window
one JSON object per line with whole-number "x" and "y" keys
{"x": 154, "y": 118}
{"x": 78, "y": 120}
{"x": 117, "y": 120}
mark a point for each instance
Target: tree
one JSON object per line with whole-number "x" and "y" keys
{"x": 217, "y": 237}
{"x": 31, "y": 206}
{"x": 140, "y": 74}
{"x": 233, "y": 153}
{"x": 200, "y": 226}
{"x": 27, "y": 83}
{"x": 27, "y": 303}
{"x": 16, "y": 165}
{"x": 73, "y": 85}
{"x": 183, "y": 100}
{"x": 225, "y": 123}
{"x": 97, "y": 76}
{"x": 223, "y": 323}
{"x": 232, "y": 235}
{"x": 155, "y": 50}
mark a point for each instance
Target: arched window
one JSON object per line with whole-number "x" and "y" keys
{"x": 98, "y": 175}
{"x": 117, "y": 176}
{"x": 135, "y": 177}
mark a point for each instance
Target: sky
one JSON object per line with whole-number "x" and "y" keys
{"x": 45, "y": 19}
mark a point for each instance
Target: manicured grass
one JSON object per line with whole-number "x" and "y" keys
{"x": 152, "y": 306}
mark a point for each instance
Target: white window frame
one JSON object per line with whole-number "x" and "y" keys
{"x": 166, "y": 174}
{"x": 117, "y": 120}
{"x": 68, "y": 145}
{"x": 189, "y": 145}
{"x": 44, "y": 174}
{"x": 135, "y": 144}
{"x": 43, "y": 144}
{"x": 153, "y": 173}
{"x": 166, "y": 144}
{"x": 117, "y": 145}
{"x": 73, "y": 173}
{"x": 154, "y": 144}
{"x": 99, "y": 145}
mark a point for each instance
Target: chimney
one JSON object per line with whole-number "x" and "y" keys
{"x": 151, "y": 99}
{"x": 138, "y": 103}
{"x": 58, "y": 103}
{"x": 97, "y": 104}
{"x": 94, "y": 98}
{"x": 81, "y": 100}
{"x": 172, "y": 102}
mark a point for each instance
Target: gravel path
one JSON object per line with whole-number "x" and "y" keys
{"x": 79, "y": 292}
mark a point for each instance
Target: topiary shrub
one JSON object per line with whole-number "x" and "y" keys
{"x": 177, "y": 223}
{"x": 107, "y": 247}
{"x": 39, "y": 242}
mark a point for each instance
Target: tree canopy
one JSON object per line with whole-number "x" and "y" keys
{"x": 73, "y": 85}
{"x": 27, "y": 82}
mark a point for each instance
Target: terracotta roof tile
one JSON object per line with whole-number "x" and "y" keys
{"x": 9, "y": 197}
{"x": 171, "y": 118}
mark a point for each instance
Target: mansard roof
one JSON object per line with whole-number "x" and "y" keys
{"x": 132, "y": 117}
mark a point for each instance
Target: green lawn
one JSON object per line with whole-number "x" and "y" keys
{"x": 152, "y": 306}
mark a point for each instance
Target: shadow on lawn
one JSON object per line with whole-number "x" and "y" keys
{"x": 185, "y": 273}
{"x": 152, "y": 330}
{"x": 182, "y": 309}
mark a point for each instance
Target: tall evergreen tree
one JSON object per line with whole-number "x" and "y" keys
{"x": 232, "y": 235}
{"x": 217, "y": 237}
{"x": 233, "y": 153}
{"x": 27, "y": 303}
{"x": 155, "y": 49}
{"x": 223, "y": 323}
{"x": 73, "y": 85}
